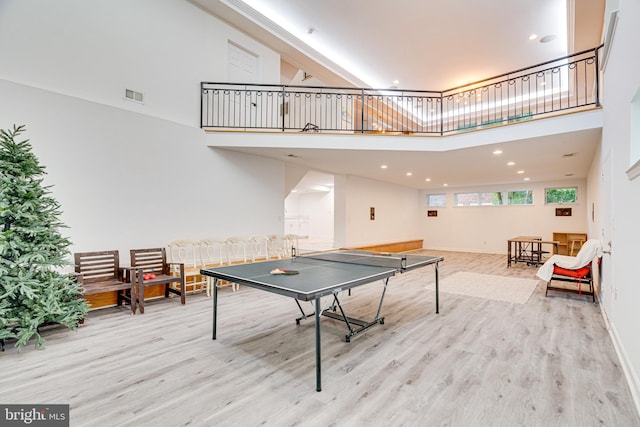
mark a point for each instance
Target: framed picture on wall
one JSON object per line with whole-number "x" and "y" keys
{"x": 563, "y": 211}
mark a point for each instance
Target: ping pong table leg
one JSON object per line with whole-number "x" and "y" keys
{"x": 215, "y": 306}
{"x": 318, "y": 358}
{"x": 437, "y": 291}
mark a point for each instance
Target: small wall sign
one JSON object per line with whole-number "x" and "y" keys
{"x": 432, "y": 213}
{"x": 563, "y": 211}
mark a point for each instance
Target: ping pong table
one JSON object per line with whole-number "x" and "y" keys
{"x": 310, "y": 277}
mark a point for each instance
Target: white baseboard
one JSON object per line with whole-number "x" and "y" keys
{"x": 627, "y": 368}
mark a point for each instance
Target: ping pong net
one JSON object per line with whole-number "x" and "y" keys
{"x": 378, "y": 259}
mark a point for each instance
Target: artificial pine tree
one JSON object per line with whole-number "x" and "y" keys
{"x": 33, "y": 289}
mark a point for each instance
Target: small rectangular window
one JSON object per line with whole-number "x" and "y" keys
{"x": 522, "y": 197}
{"x": 437, "y": 200}
{"x": 467, "y": 199}
{"x": 555, "y": 196}
{"x": 494, "y": 198}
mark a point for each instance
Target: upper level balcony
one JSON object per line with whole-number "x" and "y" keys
{"x": 563, "y": 85}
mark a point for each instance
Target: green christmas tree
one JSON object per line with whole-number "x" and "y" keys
{"x": 34, "y": 291}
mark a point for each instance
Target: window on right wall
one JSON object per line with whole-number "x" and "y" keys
{"x": 561, "y": 195}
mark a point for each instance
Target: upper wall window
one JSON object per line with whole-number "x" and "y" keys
{"x": 522, "y": 197}
{"x": 437, "y": 200}
{"x": 494, "y": 198}
{"x": 485, "y": 198}
{"x": 561, "y": 195}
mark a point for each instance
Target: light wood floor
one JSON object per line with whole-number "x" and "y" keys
{"x": 549, "y": 362}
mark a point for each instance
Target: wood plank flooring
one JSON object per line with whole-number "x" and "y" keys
{"x": 549, "y": 362}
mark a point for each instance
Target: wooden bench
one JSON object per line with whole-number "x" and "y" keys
{"x": 404, "y": 246}
{"x": 154, "y": 261}
{"x": 100, "y": 272}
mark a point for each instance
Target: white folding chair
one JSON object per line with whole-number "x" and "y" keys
{"x": 236, "y": 249}
{"x": 212, "y": 254}
{"x": 277, "y": 246}
{"x": 186, "y": 252}
{"x": 259, "y": 247}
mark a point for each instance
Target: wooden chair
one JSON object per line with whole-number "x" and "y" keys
{"x": 100, "y": 272}
{"x": 186, "y": 252}
{"x": 154, "y": 261}
{"x": 575, "y": 241}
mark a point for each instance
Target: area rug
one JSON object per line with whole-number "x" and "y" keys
{"x": 500, "y": 288}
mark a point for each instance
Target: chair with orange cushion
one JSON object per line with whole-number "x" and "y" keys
{"x": 578, "y": 277}
{"x": 577, "y": 270}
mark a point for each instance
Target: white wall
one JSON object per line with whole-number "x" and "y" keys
{"x": 317, "y": 208}
{"x": 487, "y": 228}
{"x": 130, "y": 175}
{"x": 126, "y": 180}
{"x": 95, "y": 49}
{"x": 396, "y": 212}
{"x": 621, "y": 82}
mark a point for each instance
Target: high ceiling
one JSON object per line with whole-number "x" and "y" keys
{"x": 420, "y": 44}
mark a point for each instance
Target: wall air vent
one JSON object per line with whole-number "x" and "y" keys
{"x": 132, "y": 95}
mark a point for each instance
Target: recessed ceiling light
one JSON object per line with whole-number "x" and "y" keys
{"x": 383, "y": 166}
{"x": 526, "y": 179}
{"x": 520, "y": 171}
{"x": 395, "y": 82}
{"x": 511, "y": 163}
{"x": 445, "y": 185}
{"x": 533, "y": 36}
{"x": 428, "y": 179}
{"x": 409, "y": 173}
{"x": 497, "y": 152}
{"x": 548, "y": 38}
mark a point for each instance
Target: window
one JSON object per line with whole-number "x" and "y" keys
{"x": 561, "y": 195}
{"x": 436, "y": 200}
{"x": 494, "y": 198}
{"x": 485, "y": 198}
{"x": 523, "y": 197}
{"x": 466, "y": 199}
